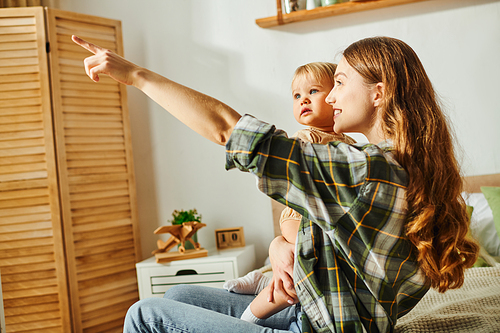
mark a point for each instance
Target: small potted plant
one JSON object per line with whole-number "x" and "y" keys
{"x": 185, "y": 216}
{"x": 179, "y": 217}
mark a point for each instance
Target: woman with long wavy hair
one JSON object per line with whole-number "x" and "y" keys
{"x": 437, "y": 223}
{"x": 382, "y": 222}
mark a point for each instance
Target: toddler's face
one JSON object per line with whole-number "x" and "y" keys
{"x": 309, "y": 105}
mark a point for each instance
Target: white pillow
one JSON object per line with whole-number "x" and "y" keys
{"x": 482, "y": 224}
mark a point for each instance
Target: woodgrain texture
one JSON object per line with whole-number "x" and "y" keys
{"x": 472, "y": 184}
{"x": 68, "y": 215}
{"x": 96, "y": 177}
{"x": 31, "y": 241}
{"x": 327, "y": 11}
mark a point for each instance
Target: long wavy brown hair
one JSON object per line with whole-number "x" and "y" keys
{"x": 437, "y": 223}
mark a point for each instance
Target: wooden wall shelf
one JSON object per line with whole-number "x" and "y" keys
{"x": 321, "y": 12}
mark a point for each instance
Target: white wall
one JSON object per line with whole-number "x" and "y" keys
{"x": 216, "y": 47}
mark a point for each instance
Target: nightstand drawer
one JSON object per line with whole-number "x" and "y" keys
{"x": 210, "y": 275}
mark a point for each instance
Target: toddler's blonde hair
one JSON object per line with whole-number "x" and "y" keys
{"x": 319, "y": 70}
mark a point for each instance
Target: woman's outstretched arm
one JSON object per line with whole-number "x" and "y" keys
{"x": 207, "y": 116}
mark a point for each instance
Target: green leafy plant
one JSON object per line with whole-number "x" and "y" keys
{"x": 185, "y": 216}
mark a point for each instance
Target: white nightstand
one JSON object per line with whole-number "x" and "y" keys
{"x": 215, "y": 269}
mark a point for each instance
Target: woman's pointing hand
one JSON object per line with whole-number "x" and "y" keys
{"x": 106, "y": 62}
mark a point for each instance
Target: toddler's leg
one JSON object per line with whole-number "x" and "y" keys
{"x": 250, "y": 284}
{"x": 260, "y": 308}
{"x": 250, "y": 317}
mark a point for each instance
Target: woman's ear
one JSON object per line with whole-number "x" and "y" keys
{"x": 378, "y": 96}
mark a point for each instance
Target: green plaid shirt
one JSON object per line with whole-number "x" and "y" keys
{"x": 355, "y": 270}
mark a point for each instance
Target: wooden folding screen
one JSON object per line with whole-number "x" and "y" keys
{"x": 95, "y": 173}
{"x": 68, "y": 225}
{"x": 32, "y": 258}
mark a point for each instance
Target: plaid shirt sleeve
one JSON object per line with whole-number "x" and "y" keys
{"x": 355, "y": 270}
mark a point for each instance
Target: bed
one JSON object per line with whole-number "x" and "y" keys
{"x": 476, "y": 306}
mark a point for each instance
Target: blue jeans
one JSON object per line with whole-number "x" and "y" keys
{"x": 197, "y": 309}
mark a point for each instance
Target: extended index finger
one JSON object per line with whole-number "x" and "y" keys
{"x": 86, "y": 45}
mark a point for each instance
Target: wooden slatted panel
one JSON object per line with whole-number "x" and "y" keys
{"x": 31, "y": 245}
{"x": 96, "y": 175}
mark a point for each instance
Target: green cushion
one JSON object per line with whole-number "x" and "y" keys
{"x": 470, "y": 209}
{"x": 492, "y": 195}
{"x": 480, "y": 262}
